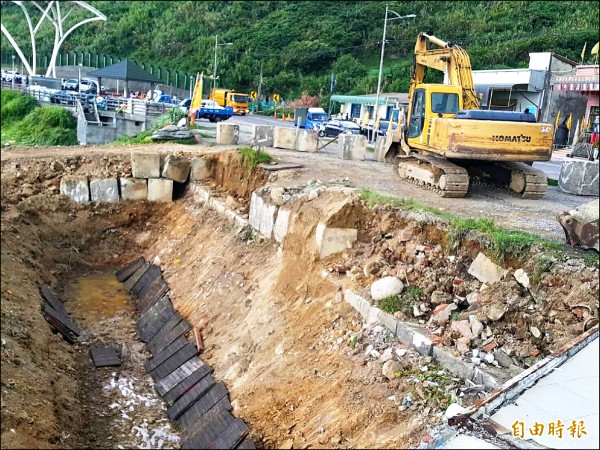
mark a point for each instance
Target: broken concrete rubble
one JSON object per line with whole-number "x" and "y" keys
{"x": 485, "y": 270}
{"x": 176, "y": 168}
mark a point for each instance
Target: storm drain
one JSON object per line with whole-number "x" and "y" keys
{"x": 197, "y": 402}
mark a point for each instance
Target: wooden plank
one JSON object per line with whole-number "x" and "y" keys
{"x": 62, "y": 324}
{"x": 246, "y": 444}
{"x": 147, "y": 277}
{"x": 177, "y": 376}
{"x": 52, "y": 299}
{"x": 105, "y": 356}
{"x": 161, "y": 357}
{"x": 133, "y": 279}
{"x": 151, "y": 294}
{"x": 230, "y": 437}
{"x": 199, "y": 343}
{"x": 280, "y": 166}
{"x": 190, "y": 397}
{"x": 159, "y": 344}
{"x": 164, "y": 330}
{"x": 180, "y": 357}
{"x": 203, "y": 405}
{"x": 175, "y": 394}
{"x": 212, "y": 424}
{"x": 155, "y": 319}
{"x": 129, "y": 269}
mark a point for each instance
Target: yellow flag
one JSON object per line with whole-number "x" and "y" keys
{"x": 595, "y": 49}
{"x": 556, "y": 122}
{"x": 376, "y": 127}
{"x": 365, "y": 120}
{"x": 569, "y": 121}
{"x": 583, "y": 51}
{"x": 196, "y": 102}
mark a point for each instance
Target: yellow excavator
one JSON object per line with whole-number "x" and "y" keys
{"x": 448, "y": 141}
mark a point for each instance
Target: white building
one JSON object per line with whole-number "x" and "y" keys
{"x": 355, "y": 107}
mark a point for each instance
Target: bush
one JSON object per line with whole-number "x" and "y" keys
{"x": 16, "y": 107}
{"x": 252, "y": 158}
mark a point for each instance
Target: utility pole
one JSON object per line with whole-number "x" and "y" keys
{"x": 215, "y": 65}
{"x": 260, "y": 81}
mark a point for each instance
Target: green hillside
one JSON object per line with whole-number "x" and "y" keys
{"x": 299, "y": 43}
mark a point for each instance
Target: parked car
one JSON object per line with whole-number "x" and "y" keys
{"x": 335, "y": 127}
{"x": 8, "y": 76}
{"x": 367, "y": 130}
{"x": 184, "y": 105}
{"x": 63, "y": 97}
{"x": 89, "y": 86}
{"x": 71, "y": 85}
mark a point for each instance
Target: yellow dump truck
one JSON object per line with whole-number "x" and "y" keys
{"x": 228, "y": 97}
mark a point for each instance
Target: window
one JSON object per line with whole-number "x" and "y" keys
{"x": 444, "y": 103}
{"x": 355, "y": 110}
{"x": 417, "y": 116}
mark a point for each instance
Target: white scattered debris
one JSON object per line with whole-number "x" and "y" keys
{"x": 454, "y": 410}
{"x": 400, "y": 352}
{"x": 154, "y": 438}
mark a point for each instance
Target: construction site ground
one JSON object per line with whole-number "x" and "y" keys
{"x": 302, "y": 368}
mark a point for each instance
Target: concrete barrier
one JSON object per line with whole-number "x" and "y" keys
{"x": 306, "y": 141}
{"x": 579, "y": 177}
{"x": 228, "y": 133}
{"x": 332, "y": 240}
{"x": 104, "y": 190}
{"x": 352, "y": 146}
{"x": 176, "y": 168}
{"x": 160, "y": 190}
{"x": 284, "y": 138}
{"x": 200, "y": 170}
{"x": 134, "y": 188}
{"x": 284, "y": 220}
{"x": 262, "y": 135}
{"x": 145, "y": 165}
{"x": 76, "y": 188}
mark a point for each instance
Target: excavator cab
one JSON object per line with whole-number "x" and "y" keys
{"x": 431, "y": 101}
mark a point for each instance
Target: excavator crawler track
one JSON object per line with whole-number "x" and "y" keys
{"x": 436, "y": 174}
{"x": 525, "y": 181}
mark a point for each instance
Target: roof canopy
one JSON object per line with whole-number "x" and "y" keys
{"x": 125, "y": 70}
{"x": 370, "y": 99}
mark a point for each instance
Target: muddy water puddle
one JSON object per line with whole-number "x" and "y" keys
{"x": 123, "y": 409}
{"x": 99, "y": 296}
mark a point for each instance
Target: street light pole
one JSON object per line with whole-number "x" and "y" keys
{"x": 398, "y": 16}
{"x": 215, "y": 64}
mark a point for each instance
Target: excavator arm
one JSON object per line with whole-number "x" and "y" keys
{"x": 450, "y": 59}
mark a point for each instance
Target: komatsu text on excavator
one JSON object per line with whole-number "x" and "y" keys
{"x": 447, "y": 140}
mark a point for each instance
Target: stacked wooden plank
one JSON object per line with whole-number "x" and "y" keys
{"x": 196, "y": 401}
{"x": 57, "y": 317}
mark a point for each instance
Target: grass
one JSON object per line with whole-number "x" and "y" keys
{"x": 24, "y": 123}
{"x": 394, "y": 303}
{"x": 435, "y": 392}
{"x": 552, "y": 182}
{"x": 499, "y": 241}
{"x": 413, "y": 292}
{"x": 145, "y": 137}
{"x": 252, "y": 158}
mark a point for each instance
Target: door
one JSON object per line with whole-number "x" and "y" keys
{"x": 417, "y": 116}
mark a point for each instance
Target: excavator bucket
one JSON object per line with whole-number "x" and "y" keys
{"x": 581, "y": 225}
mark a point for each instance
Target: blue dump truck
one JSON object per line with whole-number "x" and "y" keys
{"x": 208, "y": 110}
{"x": 310, "y": 118}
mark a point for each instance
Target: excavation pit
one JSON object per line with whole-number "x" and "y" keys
{"x": 274, "y": 324}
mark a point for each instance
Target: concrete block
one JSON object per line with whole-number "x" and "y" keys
{"x": 134, "y": 188}
{"x": 160, "y": 190}
{"x": 362, "y": 305}
{"x": 352, "y": 146}
{"x": 485, "y": 270}
{"x": 176, "y": 168}
{"x": 145, "y": 165}
{"x": 262, "y": 135}
{"x": 104, "y": 190}
{"x": 334, "y": 240}
{"x": 579, "y": 177}
{"x": 416, "y": 336}
{"x": 228, "y": 133}
{"x": 76, "y": 188}
{"x": 306, "y": 141}
{"x": 200, "y": 170}
{"x": 282, "y": 224}
{"x": 462, "y": 369}
{"x": 385, "y": 319}
{"x": 284, "y": 138}
{"x": 262, "y": 215}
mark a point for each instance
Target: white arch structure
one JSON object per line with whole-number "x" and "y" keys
{"x": 52, "y": 12}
